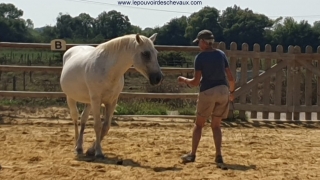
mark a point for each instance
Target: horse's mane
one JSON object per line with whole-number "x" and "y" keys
{"x": 126, "y": 42}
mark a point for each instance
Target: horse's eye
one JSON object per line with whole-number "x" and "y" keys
{"x": 146, "y": 55}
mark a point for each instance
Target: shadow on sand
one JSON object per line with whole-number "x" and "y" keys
{"x": 239, "y": 167}
{"x": 123, "y": 162}
{"x": 271, "y": 124}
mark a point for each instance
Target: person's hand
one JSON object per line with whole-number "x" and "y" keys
{"x": 181, "y": 79}
{"x": 231, "y": 96}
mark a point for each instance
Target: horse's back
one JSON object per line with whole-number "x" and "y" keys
{"x": 75, "y": 59}
{"x": 76, "y": 51}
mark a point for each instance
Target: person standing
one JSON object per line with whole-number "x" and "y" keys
{"x": 215, "y": 92}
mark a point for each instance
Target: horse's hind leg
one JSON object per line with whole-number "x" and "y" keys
{"x": 72, "y": 104}
{"x": 84, "y": 117}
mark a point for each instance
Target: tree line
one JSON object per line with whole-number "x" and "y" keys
{"x": 234, "y": 24}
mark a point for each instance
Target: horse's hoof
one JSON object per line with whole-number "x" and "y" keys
{"x": 120, "y": 162}
{"x": 79, "y": 151}
{"x": 100, "y": 156}
{"x": 114, "y": 123}
{"x": 90, "y": 152}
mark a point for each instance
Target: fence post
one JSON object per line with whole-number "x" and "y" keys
{"x": 24, "y": 80}
{"x": 278, "y": 86}
{"x": 308, "y": 85}
{"x": 266, "y": 83}
{"x": 233, "y": 64}
{"x": 14, "y": 85}
{"x": 318, "y": 84}
{"x": 255, "y": 73}
{"x": 289, "y": 93}
{"x": 297, "y": 83}
{"x": 243, "y": 79}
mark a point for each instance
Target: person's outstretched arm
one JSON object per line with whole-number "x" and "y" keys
{"x": 197, "y": 74}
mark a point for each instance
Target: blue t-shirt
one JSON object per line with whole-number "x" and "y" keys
{"x": 212, "y": 65}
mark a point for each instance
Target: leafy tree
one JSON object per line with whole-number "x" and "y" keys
{"x": 135, "y": 29}
{"x": 206, "y": 18}
{"x": 65, "y": 26}
{"x": 294, "y": 33}
{"x": 173, "y": 32}
{"x": 244, "y": 26}
{"x": 12, "y": 27}
{"x": 112, "y": 24}
{"x": 84, "y": 24}
{"x": 10, "y": 11}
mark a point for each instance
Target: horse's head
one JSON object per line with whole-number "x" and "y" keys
{"x": 145, "y": 60}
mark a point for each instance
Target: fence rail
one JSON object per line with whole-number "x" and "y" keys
{"x": 57, "y": 69}
{"x": 230, "y": 53}
{"x": 125, "y": 95}
{"x": 47, "y": 46}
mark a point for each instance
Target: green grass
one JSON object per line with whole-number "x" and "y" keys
{"x": 132, "y": 107}
{"x": 30, "y": 57}
{"x": 142, "y": 108}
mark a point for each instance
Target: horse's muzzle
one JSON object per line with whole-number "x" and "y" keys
{"x": 155, "y": 78}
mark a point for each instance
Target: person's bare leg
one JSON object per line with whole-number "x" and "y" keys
{"x": 217, "y": 134}
{"x": 196, "y": 136}
{"x": 217, "y": 137}
{"x": 204, "y": 109}
{"x": 197, "y": 132}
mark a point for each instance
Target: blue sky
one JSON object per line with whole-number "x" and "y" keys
{"x": 44, "y": 12}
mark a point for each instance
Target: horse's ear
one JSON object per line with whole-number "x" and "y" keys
{"x": 138, "y": 39}
{"x": 153, "y": 37}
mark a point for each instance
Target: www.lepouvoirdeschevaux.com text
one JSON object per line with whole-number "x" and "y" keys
{"x": 158, "y": 2}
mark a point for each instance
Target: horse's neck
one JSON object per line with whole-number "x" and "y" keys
{"x": 118, "y": 64}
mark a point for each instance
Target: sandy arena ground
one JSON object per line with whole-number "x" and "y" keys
{"x": 43, "y": 149}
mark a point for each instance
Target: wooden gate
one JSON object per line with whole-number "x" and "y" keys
{"x": 290, "y": 83}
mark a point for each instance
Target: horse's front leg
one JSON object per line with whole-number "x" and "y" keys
{"x": 95, "y": 107}
{"x": 113, "y": 122}
{"x": 84, "y": 117}
{"x": 108, "y": 112}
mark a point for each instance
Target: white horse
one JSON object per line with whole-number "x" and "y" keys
{"x": 95, "y": 76}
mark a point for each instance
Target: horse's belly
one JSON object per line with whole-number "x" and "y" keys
{"x": 79, "y": 95}
{"x": 73, "y": 84}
